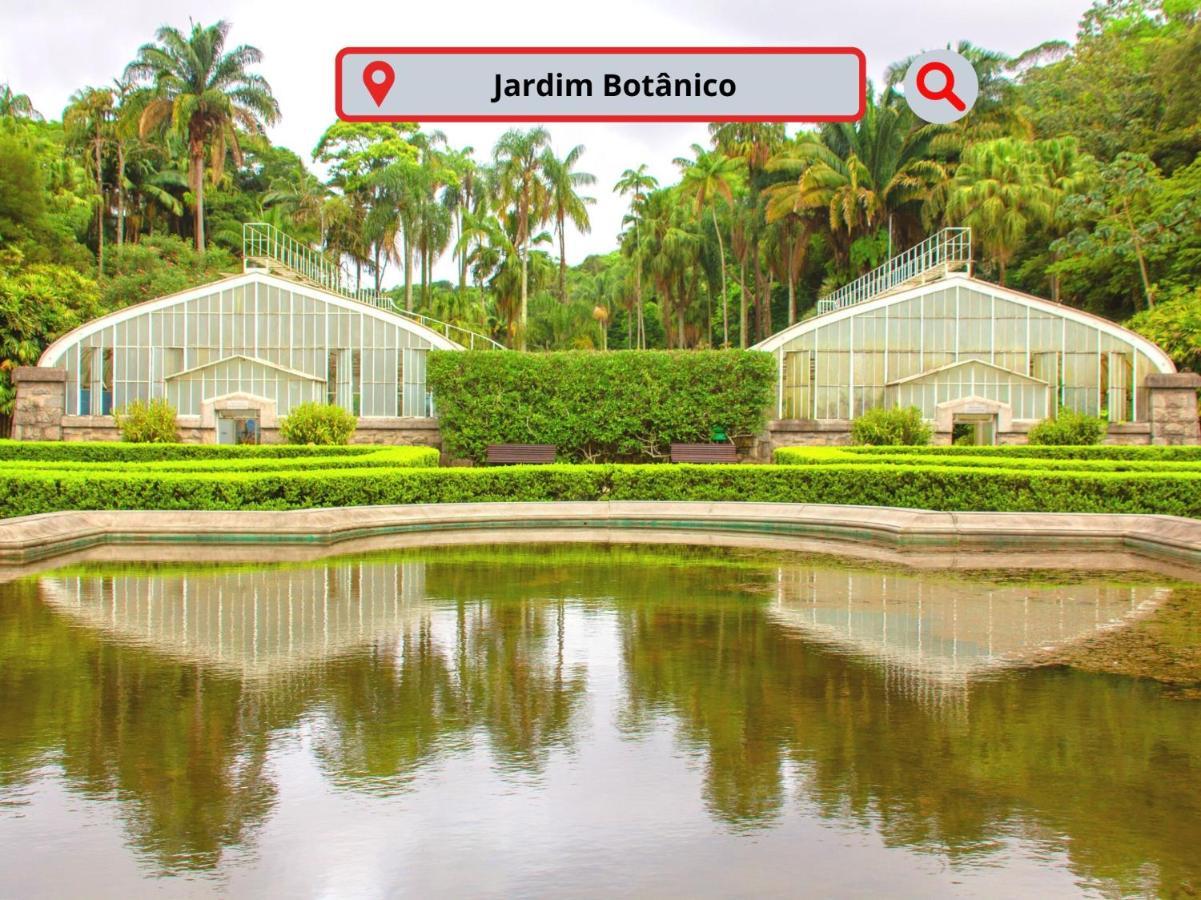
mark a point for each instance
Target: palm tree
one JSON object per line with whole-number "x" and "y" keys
{"x": 863, "y": 174}
{"x": 562, "y": 184}
{"x": 301, "y": 196}
{"x": 206, "y": 94}
{"x": 756, "y": 143}
{"x": 710, "y": 175}
{"x": 518, "y": 161}
{"x": 638, "y": 183}
{"x": 88, "y": 121}
{"x": 1000, "y": 190}
{"x": 461, "y": 196}
{"x": 16, "y": 106}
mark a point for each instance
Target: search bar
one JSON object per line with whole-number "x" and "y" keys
{"x": 600, "y": 84}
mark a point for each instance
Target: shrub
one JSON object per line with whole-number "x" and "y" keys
{"x": 317, "y": 423}
{"x": 1068, "y": 429}
{"x": 111, "y": 451}
{"x": 923, "y": 486}
{"x": 148, "y": 423}
{"x": 626, "y": 405}
{"x": 880, "y": 426}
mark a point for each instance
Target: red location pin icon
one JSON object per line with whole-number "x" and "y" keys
{"x": 378, "y": 78}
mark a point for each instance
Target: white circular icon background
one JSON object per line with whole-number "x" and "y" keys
{"x": 941, "y": 99}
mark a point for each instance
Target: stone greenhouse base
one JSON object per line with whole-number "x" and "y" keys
{"x": 971, "y": 540}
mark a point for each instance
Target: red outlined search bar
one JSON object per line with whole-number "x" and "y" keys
{"x": 600, "y": 84}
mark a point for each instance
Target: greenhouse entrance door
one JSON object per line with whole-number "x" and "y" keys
{"x": 238, "y": 427}
{"x": 976, "y": 429}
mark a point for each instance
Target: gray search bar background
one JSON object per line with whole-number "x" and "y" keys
{"x": 557, "y": 84}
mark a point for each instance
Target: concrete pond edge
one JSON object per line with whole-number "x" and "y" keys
{"x": 1042, "y": 538}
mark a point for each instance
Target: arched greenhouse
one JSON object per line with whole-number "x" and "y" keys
{"x": 234, "y": 356}
{"x": 967, "y": 353}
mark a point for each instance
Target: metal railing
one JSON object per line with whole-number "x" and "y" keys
{"x": 939, "y": 254}
{"x": 265, "y": 247}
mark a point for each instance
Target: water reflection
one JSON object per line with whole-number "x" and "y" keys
{"x": 928, "y": 638}
{"x": 252, "y": 622}
{"x": 803, "y": 690}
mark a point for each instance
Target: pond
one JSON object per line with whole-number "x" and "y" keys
{"x": 584, "y": 719}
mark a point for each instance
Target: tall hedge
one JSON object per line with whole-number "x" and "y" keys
{"x": 598, "y": 407}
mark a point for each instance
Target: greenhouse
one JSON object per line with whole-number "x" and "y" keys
{"x": 235, "y": 355}
{"x": 966, "y": 353}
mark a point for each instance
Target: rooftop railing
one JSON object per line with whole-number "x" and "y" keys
{"x": 947, "y": 251}
{"x": 266, "y": 247}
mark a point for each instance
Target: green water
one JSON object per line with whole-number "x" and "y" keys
{"x": 587, "y": 721}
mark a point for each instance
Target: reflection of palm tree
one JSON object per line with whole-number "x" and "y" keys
{"x": 184, "y": 749}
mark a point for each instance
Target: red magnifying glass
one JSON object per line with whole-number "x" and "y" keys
{"x": 946, "y": 92}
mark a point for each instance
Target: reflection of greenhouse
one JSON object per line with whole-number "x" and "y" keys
{"x": 255, "y": 621}
{"x": 929, "y": 638}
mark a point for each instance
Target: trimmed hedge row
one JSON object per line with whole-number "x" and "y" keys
{"x": 924, "y": 487}
{"x": 598, "y": 407}
{"x": 378, "y": 458}
{"x": 819, "y": 456}
{"x": 115, "y": 451}
{"x": 1106, "y": 451}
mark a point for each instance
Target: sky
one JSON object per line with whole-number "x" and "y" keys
{"x": 50, "y": 48}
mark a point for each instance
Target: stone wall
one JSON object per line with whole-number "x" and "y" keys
{"x": 40, "y": 404}
{"x": 801, "y": 433}
{"x": 408, "y": 431}
{"x": 1173, "y": 400}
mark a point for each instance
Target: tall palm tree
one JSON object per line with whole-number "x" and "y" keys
{"x": 637, "y": 182}
{"x": 16, "y": 106}
{"x": 518, "y": 161}
{"x": 461, "y": 196}
{"x": 301, "y": 196}
{"x": 566, "y": 203}
{"x": 863, "y": 173}
{"x": 710, "y": 175}
{"x": 756, "y": 143}
{"x": 206, "y": 94}
{"x": 1000, "y": 190}
{"x": 88, "y": 121}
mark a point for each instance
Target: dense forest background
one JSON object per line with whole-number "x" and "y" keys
{"x": 1078, "y": 172}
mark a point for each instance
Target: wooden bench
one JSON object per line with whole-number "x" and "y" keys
{"x": 704, "y": 453}
{"x": 513, "y": 454}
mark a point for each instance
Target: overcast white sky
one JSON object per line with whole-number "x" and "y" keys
{"x": 49, "y": 48}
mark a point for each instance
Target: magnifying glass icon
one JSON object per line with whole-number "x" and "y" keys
{"x": 946, "y": 92}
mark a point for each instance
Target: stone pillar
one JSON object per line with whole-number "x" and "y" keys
{"x": 1173, "y": 403}
{"x": 41, "y": 403}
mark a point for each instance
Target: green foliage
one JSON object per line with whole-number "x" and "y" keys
{"x": 1175, "y": 327}
{"x": 1007, "y": 452}
{"x": 880, "y": 426}
{"x": 920, "y": 484}
{"x": 598, "y": 406}
{"x": 44, "y": 202}
{"x": 317, "y": 423}
{"x": 148, "y": 423}
{"x": 112, "y": 452}
{"x": 37, "y": 304}
{"x": 157, "y": 266}
{"x": 1068, "y": 428}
